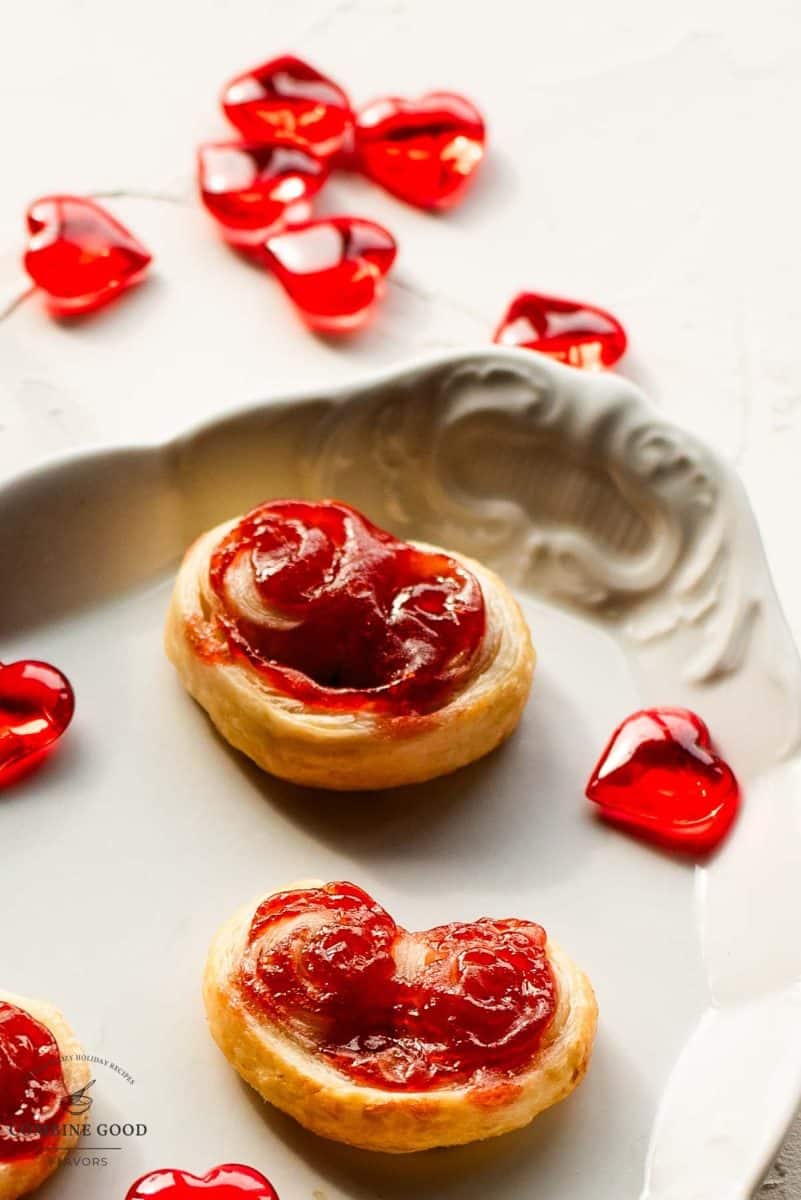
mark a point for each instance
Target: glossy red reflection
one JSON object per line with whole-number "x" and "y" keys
{"x": 399, "y": 1010}
{"x": 231, "y": 1181}
{"x": 250, "y": 188}
{"x": 80, "y": 255}
{"x": 36, "y": 706}
{"x": 290, "y": 101}
{"x": 332, "y": 268}
{"x": 574, "y": 333}
{"x": 424, "y": 151}
{"x": 33, "y": 1096}
{"x": 660, "y": 777}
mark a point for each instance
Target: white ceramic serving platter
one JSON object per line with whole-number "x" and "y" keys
{"x": 634, "y": 552}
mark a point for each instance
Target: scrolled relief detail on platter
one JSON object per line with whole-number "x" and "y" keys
{"x": 577, "y": 492}
{"x": 718, "y": 593}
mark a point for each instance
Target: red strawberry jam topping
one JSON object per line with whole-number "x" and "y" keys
{"x": 339, "y": 613}
{"x": 393, "y": 1009}
{"x": 33, "y": 1096}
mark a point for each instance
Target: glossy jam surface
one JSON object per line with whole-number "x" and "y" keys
{"x": 36, "y": 706}
{"x": 393, "y": 1009}
{"x": 660, "y": 777}
{"x": 249, "y": 188}
{"x": 424, "y": 151}
{"x": 231, "y": 1181}
{"x": 79, "y": 255}
{"x": 333, "y": 269}
{"x": 33, "y": 1096}
{"x": 578, "y": 334}
{"x": 286, "y": 99}
{"x": 341, "y": 614}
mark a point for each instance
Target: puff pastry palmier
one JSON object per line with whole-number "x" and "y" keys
{"x": 336, "y": 656}
{"x": 41, "y": 1070}
{"x": 390, "y": 1040}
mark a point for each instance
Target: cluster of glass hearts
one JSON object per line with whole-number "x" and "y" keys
{"x": 296, "y": 126}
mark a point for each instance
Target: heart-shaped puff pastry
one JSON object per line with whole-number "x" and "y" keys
{"x": 336, "y": 656}
{"x": 390, "y": 1040}
{"x": 42, "y": 1073}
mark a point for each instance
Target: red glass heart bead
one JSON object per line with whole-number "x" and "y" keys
{"x": 33, "y": 1096}
{"x": 424, "y": 151}
{"x": 574, "y": 333}
{"x": 36, "y": 706}
{"x": 288, "y": 100}
{"x": 660, "y": 777}
{"x": 231, "y": 1181}
{"x": 79, "y": 255}
{"x": 332, "y": 268}
{"x": 249, "y": 188}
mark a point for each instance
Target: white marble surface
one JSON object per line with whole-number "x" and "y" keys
{"x": 641, "y": 157}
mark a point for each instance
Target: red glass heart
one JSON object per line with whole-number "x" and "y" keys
{"x": 231, "y": 1181}
{"x": 660, "y": 777}
{"x": 33, "y": 1096}
{"x": 79, "y": 255}
{"x": 578, "y": 334}
{"x": 288, "y": 100}
{"x": 393, "y": 1009}
{"x": 36, "y": 706}
{"x": 425, "y": 151}
{"x": 249, "y": 188}
{"x": 332, "y": 268}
